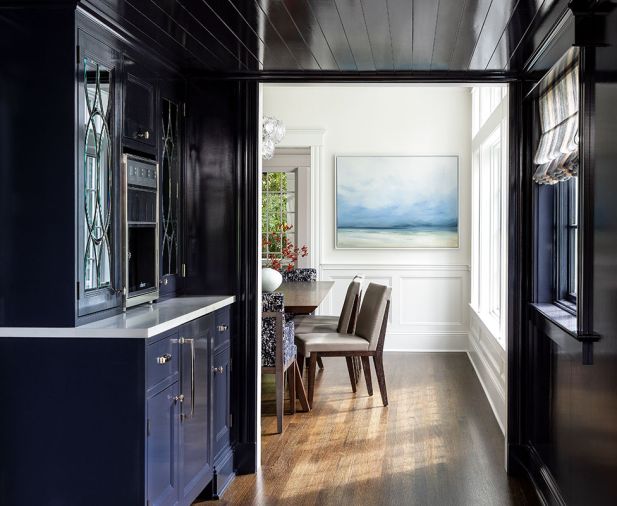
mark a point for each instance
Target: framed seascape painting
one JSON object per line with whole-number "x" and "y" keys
{"x": 393, "y": 202}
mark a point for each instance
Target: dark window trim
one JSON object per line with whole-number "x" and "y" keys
{"x": 566, "y": 247}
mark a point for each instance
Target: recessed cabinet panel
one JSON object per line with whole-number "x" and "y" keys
{"x": 139, "y": 109}
{"x": 195, "y": 338}
{"x": 221, "y": 379}
{"x": 97, "y": 168}
{"x": 162, "y": 447}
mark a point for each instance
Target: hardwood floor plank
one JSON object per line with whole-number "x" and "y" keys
{"x": 436, "y": 443}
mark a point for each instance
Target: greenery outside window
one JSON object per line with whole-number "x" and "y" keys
{"x": 279, "y": 211}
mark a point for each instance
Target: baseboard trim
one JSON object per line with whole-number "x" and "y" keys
{"x": 245, "y": 458}
{"x": 535, "y": 470}
{"x": 496, "y": 387}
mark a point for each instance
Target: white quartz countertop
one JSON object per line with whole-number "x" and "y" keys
{"x": 140, "y": 322}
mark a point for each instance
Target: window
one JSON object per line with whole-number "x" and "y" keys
{"x": 279, "y": 188}
{"x": 566, "y": 235}
{"x": 489, "y": 201}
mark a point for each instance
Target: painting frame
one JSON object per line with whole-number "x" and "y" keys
{"x": 337, "y": 159}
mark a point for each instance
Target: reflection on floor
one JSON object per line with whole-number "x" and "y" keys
{"x": 437, "y": 443}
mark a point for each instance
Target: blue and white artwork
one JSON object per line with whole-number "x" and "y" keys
{"x": 392, "y": 202}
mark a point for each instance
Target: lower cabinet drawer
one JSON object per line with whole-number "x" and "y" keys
{"x": 222, "y": 326}
{"x": 162, "y": 360}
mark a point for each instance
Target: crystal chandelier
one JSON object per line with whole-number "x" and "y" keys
{"x": 272, "y": 133}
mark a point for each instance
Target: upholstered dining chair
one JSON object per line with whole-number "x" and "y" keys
{"x": 301, "y": 274}
{"x": 279, "y": 354}
{"x": 367, "y": 341}
{"x": 345, "y": 323}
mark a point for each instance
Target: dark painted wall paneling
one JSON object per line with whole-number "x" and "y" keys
{"x": 568, "y": 410}
{"x": 595, "y": 420}
{"x": 221, "y": 228}
{"x": 37, "y": 242}
{"x": 211, "y": 239}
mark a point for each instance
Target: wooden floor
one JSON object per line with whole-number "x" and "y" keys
{"x": 437, "y": 443}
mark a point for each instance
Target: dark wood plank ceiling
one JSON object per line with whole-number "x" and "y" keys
{"x": 270, "y": 36}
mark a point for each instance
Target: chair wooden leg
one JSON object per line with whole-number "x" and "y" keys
{"x": 352, "y": 373}
{"x": 366, "y": 365}
{"x": 291, "y": 385}
{"x": 381, "y": 377}
{"x": 300, "y": 362}
{"x": 320, "y": 362}
{"x": 300, "y": 388}
{"x": 280, "y": 399}
{"x": 358, "y": 364}
{"x": 311, "y": 378}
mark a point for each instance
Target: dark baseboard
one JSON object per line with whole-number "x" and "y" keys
{"x": 245, "y": 458}
{"x": 526, "y": 462}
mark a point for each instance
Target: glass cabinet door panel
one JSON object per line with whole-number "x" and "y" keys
{"x": 170, "y": 169}
{"x": 98, "y": 175}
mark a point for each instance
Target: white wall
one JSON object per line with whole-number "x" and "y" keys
{"x": 430, "y": 287}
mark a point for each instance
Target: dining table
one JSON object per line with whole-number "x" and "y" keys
{"x": 304, "y": 297}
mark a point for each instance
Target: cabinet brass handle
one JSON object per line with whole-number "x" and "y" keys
{"x": 222, "y": 328}
{"x": 218, "y": 370}
{"x": 163, "y": 359}
{"x": 142, "y": 134}
{"x": 179, "y": 398}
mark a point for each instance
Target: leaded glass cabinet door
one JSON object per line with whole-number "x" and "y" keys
{"x": 98, "y": 228}
{"x": 170, "y": 160}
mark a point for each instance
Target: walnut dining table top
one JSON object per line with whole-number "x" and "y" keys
{"x": 304, "y": 297}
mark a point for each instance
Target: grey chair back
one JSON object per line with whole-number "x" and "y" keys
{"x": 372, "y": 312}
{"x": 346, "y": 321}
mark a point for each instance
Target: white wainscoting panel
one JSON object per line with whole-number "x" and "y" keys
{"x": 489, "y": 359}
{"x": 429, "y": 303}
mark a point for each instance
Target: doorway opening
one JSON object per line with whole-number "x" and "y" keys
{"x": 446, "y": 328}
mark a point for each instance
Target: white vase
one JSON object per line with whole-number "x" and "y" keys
{"x": 271, "y": 279}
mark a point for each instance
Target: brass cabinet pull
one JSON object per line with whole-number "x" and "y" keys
{"x": 218, "y": 370}
{"x": 222, "y": 328}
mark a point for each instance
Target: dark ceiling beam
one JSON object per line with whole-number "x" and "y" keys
{"x": 316, "y": 76}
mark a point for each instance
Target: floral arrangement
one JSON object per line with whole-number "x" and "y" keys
{"x": 289, "y": 251}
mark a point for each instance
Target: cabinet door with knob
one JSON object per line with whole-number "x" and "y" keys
{"x": 221, "y": 413}
{"x": 139, "y": 109}
{"x": 170, "y": 163}
{"x": 195, "y": 370}
{"x": 98, "y": 265}
{"x": 162, "y": 447}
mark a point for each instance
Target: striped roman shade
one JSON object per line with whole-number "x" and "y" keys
{"x": 557, "y": 154}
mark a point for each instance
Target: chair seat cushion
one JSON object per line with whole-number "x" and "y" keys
{"x": 332, "y": 341}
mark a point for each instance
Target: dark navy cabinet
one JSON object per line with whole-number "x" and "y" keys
{"x": 162, "y": 447}
{"x": 221, "y": 398}
{"x": 196, "y": 467}
{"x": 98, "y": 225}
{"x": 188, "y": 411}
{"x": 171, "y": 112}
{"x": 140, "y": 128}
